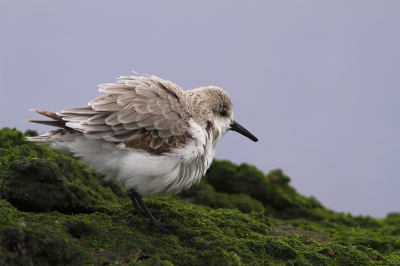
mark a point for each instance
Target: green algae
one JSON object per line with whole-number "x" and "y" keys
{"x": 272, "y": 191}
{"x": 55, "y": 211}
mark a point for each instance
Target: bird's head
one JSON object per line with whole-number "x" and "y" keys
{"x": 212, "y": 108}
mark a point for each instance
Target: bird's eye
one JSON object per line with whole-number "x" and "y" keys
{"x": 222, "y": 113}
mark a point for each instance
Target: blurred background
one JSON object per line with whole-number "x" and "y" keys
{"x": 318, "y": 82}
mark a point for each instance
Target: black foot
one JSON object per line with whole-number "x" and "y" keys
{"x": 142, "y": 209}
{"x": 162, "y": 226}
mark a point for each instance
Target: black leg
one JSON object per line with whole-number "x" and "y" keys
{"x": 141, "y": 208}
{"x": 135, "y": 204}
{"x": 138, "y": 209}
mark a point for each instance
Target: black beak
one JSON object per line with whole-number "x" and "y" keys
{"x": 238, "y": 128}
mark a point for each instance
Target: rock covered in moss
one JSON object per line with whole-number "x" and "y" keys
{"x": 37, "y": 179}
{"x": 55, "y": 211}
{"x": 246, "y": 188}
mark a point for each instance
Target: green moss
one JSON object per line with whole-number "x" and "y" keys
{"x": 53, "y": 182}
{"x": 55, "y": 211}
{"x": 206, "y": 195}
{"x": 226, "y": 258}
{"x": 225, "y": 184}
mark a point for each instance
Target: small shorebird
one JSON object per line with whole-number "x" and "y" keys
{"x": 146, "y": 134}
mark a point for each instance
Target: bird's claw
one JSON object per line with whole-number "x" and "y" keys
{"x": 162, "y": 226}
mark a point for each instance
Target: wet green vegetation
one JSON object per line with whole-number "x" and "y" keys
{"x": 56, "y": 211}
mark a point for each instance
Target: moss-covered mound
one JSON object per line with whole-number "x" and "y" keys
{"x": 56, "y": 211}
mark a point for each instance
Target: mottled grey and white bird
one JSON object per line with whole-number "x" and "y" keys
{"x": 146, "y": 134}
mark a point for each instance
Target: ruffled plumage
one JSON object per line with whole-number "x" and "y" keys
{"x": 141, "y": 112}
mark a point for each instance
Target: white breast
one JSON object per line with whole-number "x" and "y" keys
{"x": 155, "y": 175}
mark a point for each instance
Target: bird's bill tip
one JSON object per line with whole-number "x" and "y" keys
{"x": 238, "y": 128}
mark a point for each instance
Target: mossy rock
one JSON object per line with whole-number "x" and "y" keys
{"x": 272, "y": 190}
{"x": 37, "y": 179}
{"x": 56, "y": 211}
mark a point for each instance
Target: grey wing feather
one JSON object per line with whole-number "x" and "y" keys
{"x": 99, "y": 119}
{"x": 87, "y": 110}
{"x": 140, "y": 111}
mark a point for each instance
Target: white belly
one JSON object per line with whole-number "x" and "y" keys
{"x": 149, "y": 175}
{"x": 152, "y": 175}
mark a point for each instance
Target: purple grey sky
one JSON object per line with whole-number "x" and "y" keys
{"x": 318, "y": 82}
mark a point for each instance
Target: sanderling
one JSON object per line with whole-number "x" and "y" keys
{"x": 146, "y": 134}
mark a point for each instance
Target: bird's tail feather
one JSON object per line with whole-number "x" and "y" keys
{"x": 56, "y": 122}
{"x": 63, "y": 134}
